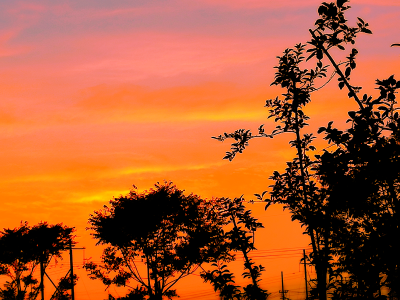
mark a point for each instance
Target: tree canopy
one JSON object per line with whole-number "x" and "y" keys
{"x": 347, "y": 197}
{"x": 170, "y": 232}
{"x": 239, "y": 223}
{"x": 22, "y": 249}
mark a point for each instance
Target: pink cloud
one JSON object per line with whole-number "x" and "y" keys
{"x": 289, "y": 4}
{"x": 6, "y": 47}
{"x": 139, "y": 55}
{"x": 253, "y": 4}
{"x": 376, "y": 2}
{"x": 21, "y": 6}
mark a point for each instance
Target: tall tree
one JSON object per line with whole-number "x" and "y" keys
{"x": 365, "y": 162}
{"x": 296, "y": 188}
{"x": 172, "y": 233}
{"x": 309, "y": 187}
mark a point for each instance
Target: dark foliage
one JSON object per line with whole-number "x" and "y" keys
{"x": 64, "y": 287}
{"x": 239, "y": 241}
{"x": 347, "y": 198}
{"x": 366, "y": 163}
{"x": 171, "y": 233}
{"x": 22, "y": 249}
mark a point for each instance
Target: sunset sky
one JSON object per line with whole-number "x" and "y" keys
{"x": 98, "y": 95}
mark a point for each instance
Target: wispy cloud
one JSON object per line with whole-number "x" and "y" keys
{"x": 7, "y": 49}
{"x": 207, "y": 102}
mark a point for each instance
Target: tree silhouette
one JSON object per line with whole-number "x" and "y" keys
{"x": 64, "y": 287}
{"x": 241, "y": 222}
{"x": 365, "y": 162}
{"x": 23, "y": 249}
{"x": 171, "y": 233}
{"x": 346, "y": 198}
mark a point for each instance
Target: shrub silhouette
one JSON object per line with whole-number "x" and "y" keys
{"x": 240, "y": 220}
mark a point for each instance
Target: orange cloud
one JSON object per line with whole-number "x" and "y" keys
{"x": 207, "y": 102}
{"x": 6, "y": 118}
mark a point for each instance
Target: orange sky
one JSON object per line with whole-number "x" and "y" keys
{"x": 98, "y": 95}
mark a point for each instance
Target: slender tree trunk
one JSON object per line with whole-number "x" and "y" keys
{"x": 321, "y": 280}
{"x": 320, "y": 262}
{"x": 247, "y": 261}
{"x": 41, "y": 278}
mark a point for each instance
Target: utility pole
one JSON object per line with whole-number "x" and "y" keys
{"x": 42, "y": 277}
{"x": 70, "y": 273}
{"x": 283, "y": 291}
{"x": 305, "y": 272}
{"x": 71, "y": 266}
